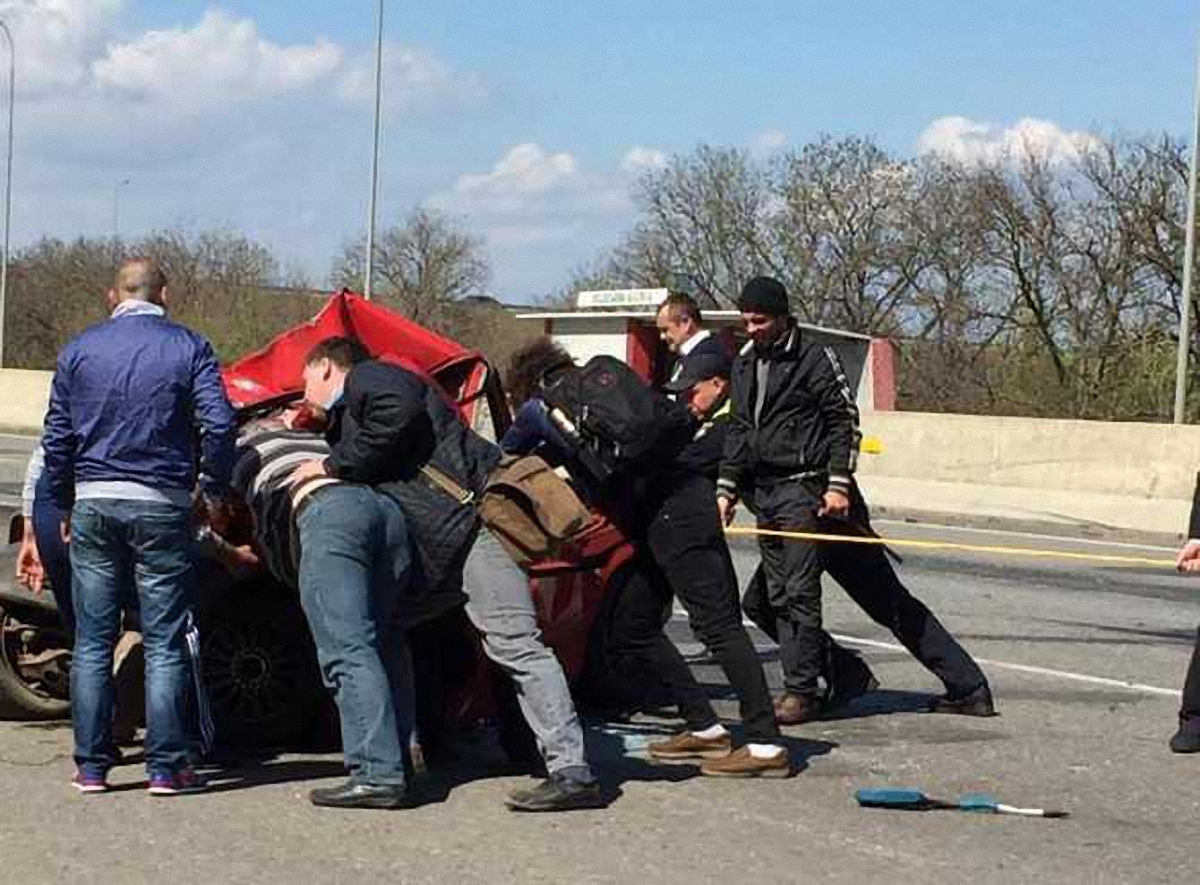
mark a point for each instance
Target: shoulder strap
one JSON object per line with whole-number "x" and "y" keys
{"x": 448, "y": 484}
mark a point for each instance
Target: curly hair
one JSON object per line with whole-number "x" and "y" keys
{"x": 529, "y": 365}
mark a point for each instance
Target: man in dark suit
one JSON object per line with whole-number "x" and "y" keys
{"x": 1187, "y": 738}
{"x": 681, "y": 327}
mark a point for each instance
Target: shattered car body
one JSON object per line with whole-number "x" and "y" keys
{"x": 258, "y": 659}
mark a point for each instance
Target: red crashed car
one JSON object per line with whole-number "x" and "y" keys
{"x": 258, "y": 660}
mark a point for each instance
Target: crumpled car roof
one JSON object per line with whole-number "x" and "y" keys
{"x": 275, "y": 371}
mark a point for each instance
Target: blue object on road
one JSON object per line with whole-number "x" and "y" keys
{"x": 915, "y": 800}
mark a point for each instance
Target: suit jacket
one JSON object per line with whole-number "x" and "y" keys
{"x": 710, "y": 344}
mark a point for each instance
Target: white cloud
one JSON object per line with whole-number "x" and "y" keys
{"x": 543, "y": 209}
{"x": 642, "y": 159}
{"x": 529, "y": 182}
{"x": 219, "y": 59}
{"x": 766, "y": 143}
{"x": 413, "y": 78}
{"x": 215, "y": 123}
{"x": 56, "y": 39}
{"x": 72, "y": 50}
{"x": 971, "y": 141}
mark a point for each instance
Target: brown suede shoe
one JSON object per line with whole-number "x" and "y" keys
{"x": 688, "y": 746}
{"x": 740, "y": 763}
{"x": 794, "y": 709}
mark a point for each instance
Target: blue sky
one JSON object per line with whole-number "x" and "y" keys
{"x": 530, "y": 119}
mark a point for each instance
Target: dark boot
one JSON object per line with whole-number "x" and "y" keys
{"x": 557, "y": 793}
{"x": 849, "y": 677}
{"x": 354, "y": 794}
{"x": 1187, "y": 739}
{"x": 976, "y": 703}
{"x": 794, "y": 709}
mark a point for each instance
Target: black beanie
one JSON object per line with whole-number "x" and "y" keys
{"x": 764, "y": 295}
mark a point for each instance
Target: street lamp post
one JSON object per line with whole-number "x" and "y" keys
{"x": 370, "y": 272}
{"x": 12, "y": 94}
{"x": 117, "y": 206}
{"x": 1189, "y": 262}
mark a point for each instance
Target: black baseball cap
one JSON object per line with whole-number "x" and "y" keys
{"x": 700, "y": 367}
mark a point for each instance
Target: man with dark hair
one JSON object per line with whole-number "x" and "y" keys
{"x": 668, "y": 510}
{"x": 120, "y": 455}
{"x": 390, "y": 429}
{"x": 793, "y": 443}
{"x": 681, "y": 327}
{"x": 705, "y": 388}
{"x": 347, "y": 550}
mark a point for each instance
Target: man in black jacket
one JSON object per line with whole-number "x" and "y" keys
{"x": 704, "y": 385}
{"x": 667, "y": 509}
{"x": 390, "y": 429}
{"x": 1187, "y": 738}
{"x": 681, "y": 327}
{"x": 793, "y": 443}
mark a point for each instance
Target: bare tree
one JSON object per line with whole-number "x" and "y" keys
{"x": 425, "y": 264}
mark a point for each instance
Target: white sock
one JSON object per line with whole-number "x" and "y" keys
{"x": 764, "y": 751}
{"x": 712, "y": 733}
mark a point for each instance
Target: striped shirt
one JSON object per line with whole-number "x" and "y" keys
{"x": 267, "y": 453}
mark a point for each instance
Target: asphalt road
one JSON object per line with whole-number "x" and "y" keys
{"x": 1085, "y": 660}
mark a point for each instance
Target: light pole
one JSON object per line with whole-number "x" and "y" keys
{"x": 375, "y": 149}
{"x": 117, "y": 206}
{"x": 12, "y": 94}
{"x": 1189, "y": 261}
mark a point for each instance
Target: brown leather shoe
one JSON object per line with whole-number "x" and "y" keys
{"x": 688, "y": 746}
{"x": 741, "y": 763}
{"x": 794, "y": 709}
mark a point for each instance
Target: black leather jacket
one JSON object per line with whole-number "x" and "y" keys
{"x": 809, "y": 420}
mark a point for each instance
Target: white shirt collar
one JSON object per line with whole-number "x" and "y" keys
{"x": 137, "y": 308}
{"x": 690, "y": 345}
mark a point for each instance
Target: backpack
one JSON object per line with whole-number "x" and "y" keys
{"x": 532, "y": 510}
{"x": 614, "y": 417}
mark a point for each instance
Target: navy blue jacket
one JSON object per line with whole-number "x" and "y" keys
{"x": 125, "y": 403}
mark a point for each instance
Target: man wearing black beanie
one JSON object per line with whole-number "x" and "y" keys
{"x": 793, "y": 445}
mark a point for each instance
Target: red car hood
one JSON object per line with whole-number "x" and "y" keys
{"x": 275, "y": 371}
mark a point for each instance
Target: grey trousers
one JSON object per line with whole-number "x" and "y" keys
{"x": 500, "y": 606}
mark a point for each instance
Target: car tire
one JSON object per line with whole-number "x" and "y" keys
{"x": 260, "y": 669}
{"x": 19, "y": 699}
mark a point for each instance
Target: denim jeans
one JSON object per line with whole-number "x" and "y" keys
{"x": 354, "y": 562}
{"x": 500, "y": 606}
{"x": 117, "y": 548}
{"x": 47, "y": 531}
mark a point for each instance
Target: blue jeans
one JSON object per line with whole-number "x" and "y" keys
{"x": 118, "y": 547}
{"x": 354, "y": 561}
{"x": 47, "y": 531}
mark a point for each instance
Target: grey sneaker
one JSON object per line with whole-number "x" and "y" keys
{"x": 557, "y": 793}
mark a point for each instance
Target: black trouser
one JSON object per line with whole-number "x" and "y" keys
{"x": 841, "y": 667}
{"x": 793, "y": 575}
{"x": 642, "y": 659}
{"x": 679, "y": 526}
{"x": 1189, "y": 712}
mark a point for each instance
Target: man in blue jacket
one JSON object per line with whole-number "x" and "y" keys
{"x": 120, "y": 445}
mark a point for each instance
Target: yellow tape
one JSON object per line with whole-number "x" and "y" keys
{"x": 871, "y": 445}
{"x": 949, "y": 545}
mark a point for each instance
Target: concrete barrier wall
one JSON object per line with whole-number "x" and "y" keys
{"x": 1134, "y": 477}
{"x": 1123, "y": 475}
{"x": 23, "y": 398}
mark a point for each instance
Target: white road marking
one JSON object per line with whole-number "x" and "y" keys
{"x": 1065, "y": 539}
{"x": 680, "y": 615}
{"x": 1028, "y": 668}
